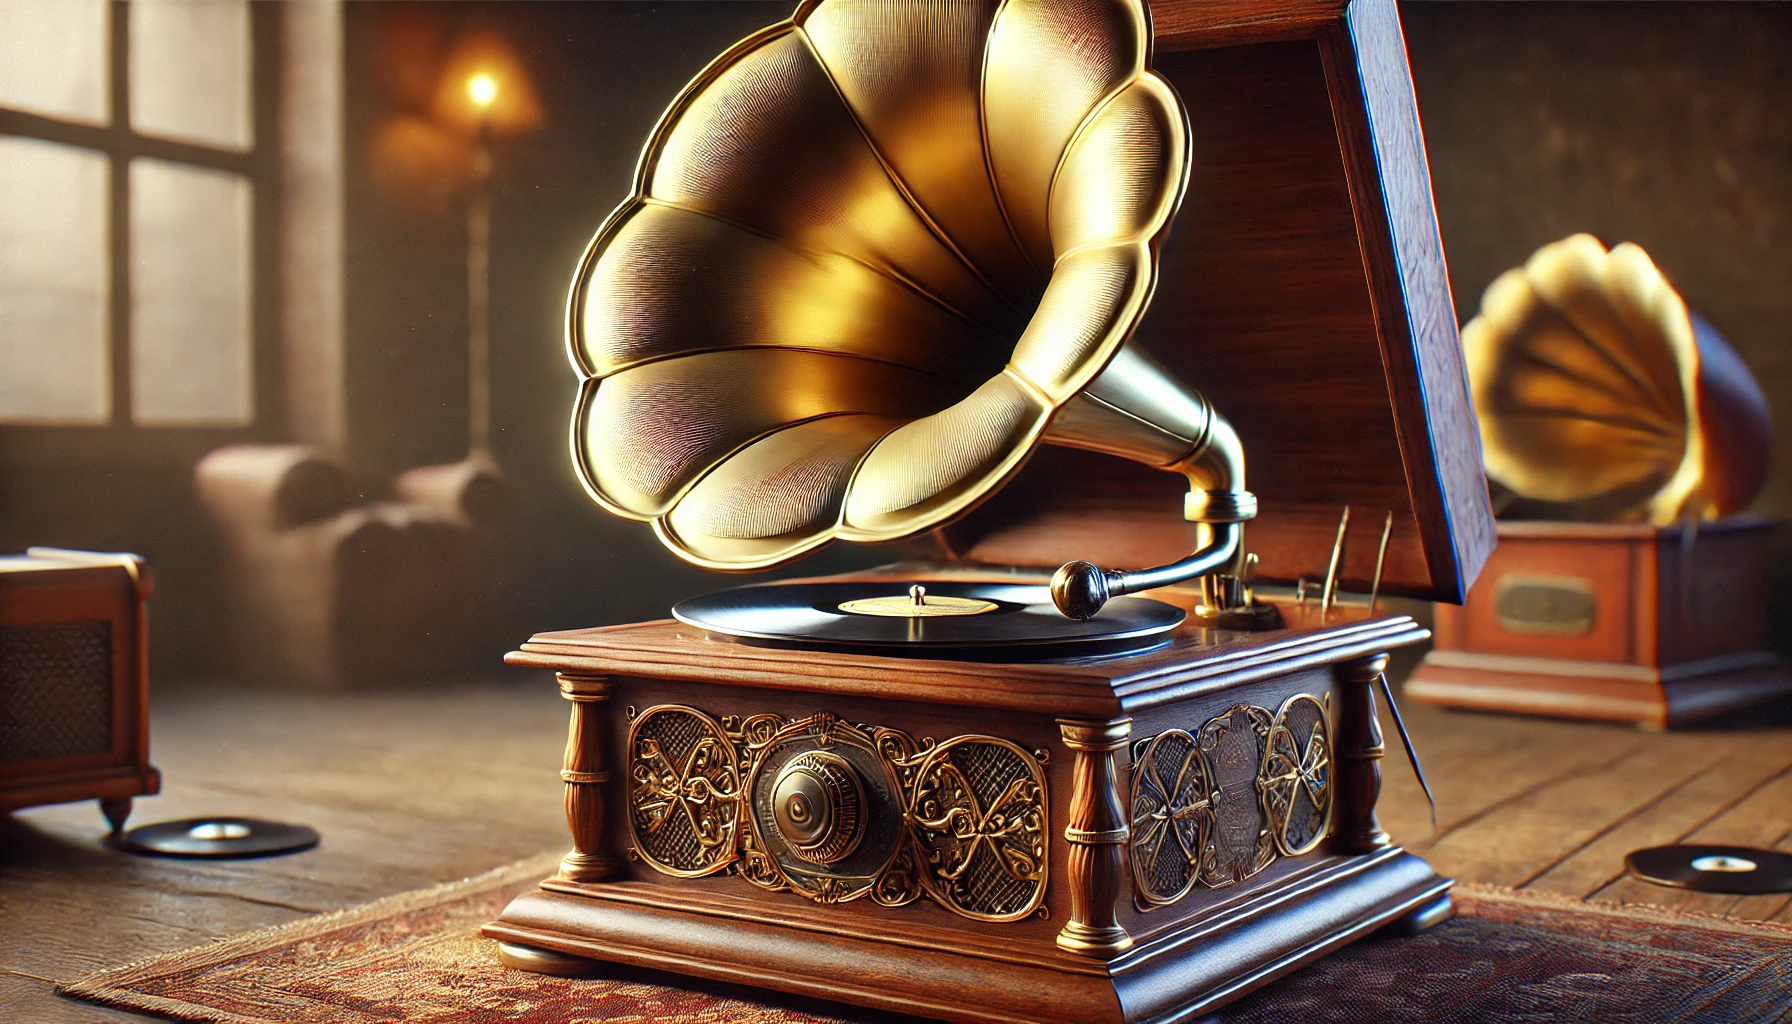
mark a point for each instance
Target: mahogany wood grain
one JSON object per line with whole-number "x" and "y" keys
{"x": 1359, "y": 752}
{"x": 1096, "y": 833}
{"x": 585, "y": 771}
{"x": 1183, "y": 25}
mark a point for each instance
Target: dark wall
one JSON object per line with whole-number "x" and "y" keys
{"x": 1664, "y": 124}
{"x": 603, "y": 73}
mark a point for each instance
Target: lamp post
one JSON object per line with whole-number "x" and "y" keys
{"x": 482, "y": 89}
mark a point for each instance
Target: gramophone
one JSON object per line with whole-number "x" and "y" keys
{"x": 1626, "y": 438}
{"x": 885, "y": 273}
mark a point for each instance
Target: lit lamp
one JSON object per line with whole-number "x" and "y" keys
{"x": 483, "y": 94}
{"x": 482, "y": 89}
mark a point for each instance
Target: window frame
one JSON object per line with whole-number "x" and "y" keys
{"x": 120, "y": 438}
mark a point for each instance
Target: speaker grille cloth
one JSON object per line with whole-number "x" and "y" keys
{"x": 55, "y": 690}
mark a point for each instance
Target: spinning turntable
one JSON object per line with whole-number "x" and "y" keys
{"x": 885, "y": 272}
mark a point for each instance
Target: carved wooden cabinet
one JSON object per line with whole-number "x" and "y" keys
{"x": 1104, "y": 839}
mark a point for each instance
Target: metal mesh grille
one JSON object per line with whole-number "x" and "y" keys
{"x": 990, "y": 769}
{"x": 675, "y": 843}
{"x": 1169, "y": 873}
{"x": 55, "y": 690}
{"x": 1305, "y": 816}
{"x": 986, "y": 886}
{"x": 990, "y": 889}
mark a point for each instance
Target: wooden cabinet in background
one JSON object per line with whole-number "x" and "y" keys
{"x": 1623, "y": 622}
{"x": 74, "y": 680}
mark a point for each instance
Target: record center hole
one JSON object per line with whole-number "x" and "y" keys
{"x": 220, "y": 830}
{"x": 1722, "y": 862}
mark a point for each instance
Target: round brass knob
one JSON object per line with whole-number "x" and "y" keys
{"x": 818, "y": 806}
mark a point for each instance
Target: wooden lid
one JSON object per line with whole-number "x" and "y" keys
{"x": 1302, "y": 290}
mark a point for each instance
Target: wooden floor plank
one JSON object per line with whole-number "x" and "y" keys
{"x": 1681, "y": 811}
{"x": 1478, "y": 763}
{"x": 1762, "y": 819}
{"x": 1518, "y": 839}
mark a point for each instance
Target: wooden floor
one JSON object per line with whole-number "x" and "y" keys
{"x": 414, "y": 788}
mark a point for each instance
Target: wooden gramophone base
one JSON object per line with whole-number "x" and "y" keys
{"x": 1097, "y": 840}
{"x": 1611, "y": 621}
{"x": 1174, "y": 976}
{"x": 1652, "y": 698}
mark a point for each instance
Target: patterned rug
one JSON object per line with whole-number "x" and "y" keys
{"x": 1507, "y": 957}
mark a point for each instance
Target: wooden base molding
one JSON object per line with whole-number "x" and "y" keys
{"x": 1176, "y": 975}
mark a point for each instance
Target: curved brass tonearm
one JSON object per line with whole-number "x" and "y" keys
{"x": 1136, "y": 410}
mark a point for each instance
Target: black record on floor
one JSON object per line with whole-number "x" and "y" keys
{"x": 218, "y": 838}
{"x": 1736, "y": 870}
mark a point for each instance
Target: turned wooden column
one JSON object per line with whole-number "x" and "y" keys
{"x": 1358, "y": 753}
{"x": 585, "y": 774}
{"x": 1097, "y": 834}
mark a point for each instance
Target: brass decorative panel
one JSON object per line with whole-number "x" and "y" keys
{"x": 1545, "y": 605}
{"x": 684, "y": 791}
{"x": 1218, "y": 805}
{"x": 1297, "y": 776}
{"x": 1234, "y": 745}
{"x": 835, "y": 812}
{"x": 1172, "y": 816}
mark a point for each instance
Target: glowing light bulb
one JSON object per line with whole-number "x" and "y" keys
{"x": 483, "y": 89}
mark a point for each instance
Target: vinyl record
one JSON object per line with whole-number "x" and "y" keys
{"x": 950, "y": 619}
{"x": 1738, "y": 870}
{"x": 218, "y": 838}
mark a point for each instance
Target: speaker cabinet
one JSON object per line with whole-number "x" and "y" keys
{"x": 74, "y": 681}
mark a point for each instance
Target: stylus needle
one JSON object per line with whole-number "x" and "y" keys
{"x": 1411, "y": 754}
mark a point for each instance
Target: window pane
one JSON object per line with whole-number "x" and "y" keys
{"x": 54, "y": 280}
{"x": 53, "y": 57}
{"x": 190, "y": 70}
{"x": 190, "y": 296}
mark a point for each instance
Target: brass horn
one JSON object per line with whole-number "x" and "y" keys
{"x": 1595, "y": 386}
{"x": 875, "y": 253}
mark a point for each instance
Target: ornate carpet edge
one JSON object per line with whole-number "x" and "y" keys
{"x": 112, "y": 987}
{"x": 1492, "y": 896}
{"x": 115, "y": 986}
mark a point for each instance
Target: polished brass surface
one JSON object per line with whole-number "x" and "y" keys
{"x": 818, "y": 806}
{"x": 1216, "y": 805}
{"x": 1297, "y": 775}
{"x": 1594, "y": 384}
{"x": 838, "y": 812}
{"x": 1545, "y": 605}
{"x": 874, "y": 254}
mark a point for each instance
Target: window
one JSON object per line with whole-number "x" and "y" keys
{"x": 131, "y": 191}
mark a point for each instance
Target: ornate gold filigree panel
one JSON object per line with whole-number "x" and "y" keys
{"x": 1172, "y": 816}
{"x": 1234, "y": 745}
{"x": 1218, "y": 805}
{"x": 1297, "y": 776}
{"x": 684, "y": 791}
{"x": 835, "y": 812}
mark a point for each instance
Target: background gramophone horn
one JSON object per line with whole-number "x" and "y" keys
{"x": 875, "y": 253}
{"x": 1594, "y": 385}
